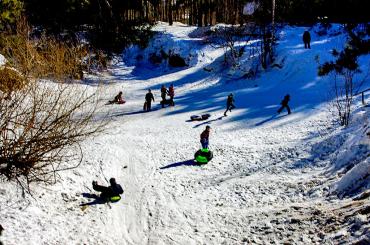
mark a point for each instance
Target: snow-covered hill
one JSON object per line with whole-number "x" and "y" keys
{"x": 274, "y": 178}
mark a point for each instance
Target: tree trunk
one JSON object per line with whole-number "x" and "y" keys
{"x": 170, "y": 17}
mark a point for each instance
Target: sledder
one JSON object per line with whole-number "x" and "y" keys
{"x": 111, "y": 193}
{"x": 204, "y": 155}
{"x": 118, "y": 99}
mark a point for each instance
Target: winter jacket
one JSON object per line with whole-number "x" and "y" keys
{"x": 163, "y": 91}
{"x": 118, "y": 98}
{"x": 230, "y": 100}
{"x": 204, "y": 135}
{"x": 171, "y": 91}
{"x": 306, "y": 37}
{"x": 285, "y": 101}
{"x": 149, "y": 97}
{"x": 116, "y": 189}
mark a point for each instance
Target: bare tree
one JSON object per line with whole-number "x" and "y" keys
{"x": 344, "y": 70}
{"x": 42, "y": 122}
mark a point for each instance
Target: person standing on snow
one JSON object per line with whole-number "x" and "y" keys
{"x": 163, "y": 93}
{"x": 148, "y": 100}
{"x": 306, "y": 39}
{"x": 107, "y": 193}
{"x": 284, "y": 104}
{"x": 229, "y": 103}
{"x": 204, "y": 137}
{"x": 171, "y": 92}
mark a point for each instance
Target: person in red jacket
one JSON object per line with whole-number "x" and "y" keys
{"x": 171, "y": 92}
{"x": 204, "y": 137}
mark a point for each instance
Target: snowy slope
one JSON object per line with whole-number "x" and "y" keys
{"x": 266, "y": 184}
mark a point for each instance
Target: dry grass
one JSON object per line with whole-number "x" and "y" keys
{"x": 44, "y": 57}
{"x": 10, "y": 80}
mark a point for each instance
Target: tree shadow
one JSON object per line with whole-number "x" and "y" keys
{"x": 208, "y": 122}
{"x": 183, "y": 163}
{"x": 276, "y": 116}
{"x": 97, "y": 199}
{"x": 135, "y": 112}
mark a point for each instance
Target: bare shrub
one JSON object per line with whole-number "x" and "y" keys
{"x": 344, "y": 70}
{"x": 42, "y": 123}
{"x": 226, "y": 38}
{"x": 41, "y": 127}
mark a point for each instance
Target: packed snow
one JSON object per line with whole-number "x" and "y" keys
{"x": 275, "y": 178}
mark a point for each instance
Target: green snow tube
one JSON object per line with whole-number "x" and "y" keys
{"x": 115, "y": 198}
{"x": 203, "y": 156}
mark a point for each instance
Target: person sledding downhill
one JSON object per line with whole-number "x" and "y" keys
{"x": 204, "y": 155}
{"x": 284, "y": 104}
{"x": 111, "y": 193}
{"x": 229, "y": 104}
{"x": 118, "y": 99}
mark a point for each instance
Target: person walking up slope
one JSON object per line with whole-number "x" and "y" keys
{"x": 284, "y": 104}
{"x": 204, "y": 137}
{"x": 229, "y": 103}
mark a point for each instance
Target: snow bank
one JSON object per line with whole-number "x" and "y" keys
{"x": 352, "y": 162}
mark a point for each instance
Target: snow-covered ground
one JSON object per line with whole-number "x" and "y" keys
{"x": 274, "y": 178}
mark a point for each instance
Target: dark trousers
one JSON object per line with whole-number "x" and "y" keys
{"x": 105, "y": 191}
{"x": 229, "y": 108}
{"x": 307, "y": 45}
{"x": 282, "y": 108}
{"x": 204, "y": 143}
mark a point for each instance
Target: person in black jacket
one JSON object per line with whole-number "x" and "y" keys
{"x": 306, "y": 39}
{"x": 284, "y": 104}
{"x": 148, "y": 100}
{"x": 114, "y": 190}
{"x": 229, "y": 103}
{"x": 163, "y": 93}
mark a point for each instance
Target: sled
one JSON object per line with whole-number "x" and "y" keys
{"x": 200, "y": 117}
{"x": 203, "y": 156}
{"x": 115, "y": 198}
{"x": 114, "y": 102}
{"x": 145, "y": 106}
